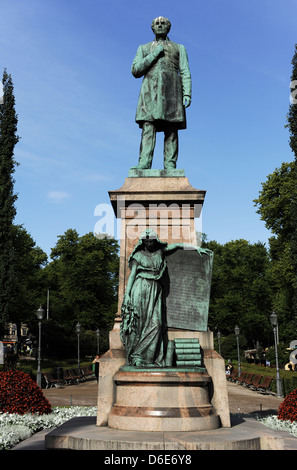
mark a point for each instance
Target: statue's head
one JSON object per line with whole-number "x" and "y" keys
{"x": 148, "y": 239}
{"x": 148, "y": 234}
{"x": 161, "y": 25}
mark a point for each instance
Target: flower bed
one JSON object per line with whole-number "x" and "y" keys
{"x": 276, "y": 424}
{"x": 24, "y": 409}
{"x": 286, "y": 418}
{"x": 19, "y": 394}
{"x": 15, "y": 427}
{"x": 288, "y": 408}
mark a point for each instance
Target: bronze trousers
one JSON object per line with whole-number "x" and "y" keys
{"x": 148, "y": 142}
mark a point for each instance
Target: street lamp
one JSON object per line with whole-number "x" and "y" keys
{"x": 40, "y": 315}
{"x": 97, "y": 334}
{"x": 219, "y": 340}
{"x": 236, "y": 329}
{"x": 273, "y": 321}
{"x": 78, "y": 327}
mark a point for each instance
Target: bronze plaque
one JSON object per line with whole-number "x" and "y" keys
{"x": 187, "y": 289}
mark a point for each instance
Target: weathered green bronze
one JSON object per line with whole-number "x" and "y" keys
{"x": 164, "y": 95}
{"x": 188, "y": 352}
{"x": 154, "y": 173}
{"x": 189, "y": 284}
{"x": 144, "y": 326}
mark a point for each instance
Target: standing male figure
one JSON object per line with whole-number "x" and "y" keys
{"x": 164, "y": 94}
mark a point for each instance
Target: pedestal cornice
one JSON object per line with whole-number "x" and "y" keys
{"x": 152, "y": 190}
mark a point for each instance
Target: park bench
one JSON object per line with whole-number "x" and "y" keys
{"x": 76, "y": 375}
{"x": 70, "y": 377}
{"x": 79, "y": 375}
{"x": 51, "y": 381}
{"x": 233, "y": 376}
{"x": 265, "y": 384}
{"x": 66, "y": 377}
{"x": 240, "y": 378}
{"x": 247, "y": 379}
{"x": 88, "y": 373}
{"x": 255, "y": 382}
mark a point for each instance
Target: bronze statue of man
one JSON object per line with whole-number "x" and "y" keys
{"x": 164, "y": 94}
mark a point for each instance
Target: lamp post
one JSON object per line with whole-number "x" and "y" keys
{"x": 219, "y": 340}
{"x": 78, "y": 326}
{"x": 273, "y": 321}
{"x": 40, "y": 315}
{"x": 97, "y": 334}
{"x": 236, "y": 329}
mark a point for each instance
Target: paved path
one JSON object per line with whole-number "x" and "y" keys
{"x": 82, "y": 394}
{"x": 241, "y": 400}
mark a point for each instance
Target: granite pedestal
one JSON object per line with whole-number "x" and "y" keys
{"x": 162, "y": 400}
{"x": 166, "y": 202}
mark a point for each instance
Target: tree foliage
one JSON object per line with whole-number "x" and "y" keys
{"x": 240, "y": 290}
{"x": 28, "y": 277}
{"x": 83, "y": 279}
{"x": 21, "y": 261}
{"x": 277, "y": 206}
{"x": 292, "y": 113}
{"x": 292, "y": 126}
{"x": 274, "y": 207}
{"x": 8, "y": 140}
{"x": 274, "y": 201}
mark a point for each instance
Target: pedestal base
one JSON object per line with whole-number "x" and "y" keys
{"x": 83, "y": 434}
{"x": 113, "y": 361}
{"x": 162, "y": 401}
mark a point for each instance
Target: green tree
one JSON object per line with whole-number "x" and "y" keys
{"x": 240, "y": 291}
{"x": 8, "y": 140}
{"x": 83, "y": 281}
{"x": 274, "y": 207}
{"x": 292, "y": 126}
{"x": 229, "y": 347}
{"x": 282, "y": 352}
{"x": 29, "y": 280}
{"x": 277, "y": 206}
{"x": 292, "y": 114}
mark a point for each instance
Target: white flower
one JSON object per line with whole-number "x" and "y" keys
{"x": 15, "y": 428}
{"x": 279, "y": 425}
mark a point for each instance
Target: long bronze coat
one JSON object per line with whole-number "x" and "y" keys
{"x": 166, "y": 80}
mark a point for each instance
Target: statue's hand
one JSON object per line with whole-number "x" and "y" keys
{"x": 126, "y": 300}
{"x": 186, "y": 101}
{"x": 159, "y": 50}
{"x": 206, "y": 251}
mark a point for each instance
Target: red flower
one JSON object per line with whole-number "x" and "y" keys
{"x": 288, "y": 408}
{"x": 20, "y": 394}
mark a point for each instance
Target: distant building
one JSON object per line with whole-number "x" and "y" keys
{"x": 12, "y": 340}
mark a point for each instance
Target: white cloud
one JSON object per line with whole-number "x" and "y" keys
{"x": 57, "y": 196}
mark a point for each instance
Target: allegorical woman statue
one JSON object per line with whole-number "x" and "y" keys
{"x": 143, "y": 325}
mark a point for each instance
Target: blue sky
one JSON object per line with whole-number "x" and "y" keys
{"x": 70, "y": 61}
